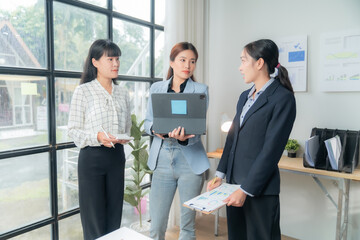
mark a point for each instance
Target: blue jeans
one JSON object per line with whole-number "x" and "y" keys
{"x": 172, "y": 171}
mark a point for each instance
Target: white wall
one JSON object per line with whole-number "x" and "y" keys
{"x": 305, "y": 212}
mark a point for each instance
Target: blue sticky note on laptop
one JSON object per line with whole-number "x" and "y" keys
{"x": 178, "y": 107}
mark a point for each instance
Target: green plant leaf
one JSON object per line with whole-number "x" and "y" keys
{"x": 142, "y": 141}
{"x": 135, "y": 129}
{"x": 141, "y": 124}
{"x": 138, "y": 194}
{"x": 131, "y": 187}
{"x": 143, "y": 157}
{"x": 141, "y": 176}
{"x": 130, "y": 199}
{"x": 131, "y": 145}
{"x": 136, "y": 178}
{"x": 145, "y": 192}
{"x": 292, "y": 145}
{"x": 135, "y": 153}
{"x": 134, "y": 193}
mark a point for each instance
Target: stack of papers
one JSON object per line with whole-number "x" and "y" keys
{"x": 311, "y": 149}
{"x": 333, "y": 146}
{"x": 212, "y": 200}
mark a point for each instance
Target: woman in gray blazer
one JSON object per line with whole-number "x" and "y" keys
{"x": 264, "y": 118}
{"x": 178, "y": 160}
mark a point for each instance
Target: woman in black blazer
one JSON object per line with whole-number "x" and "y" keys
{"x": 254, "y": 145}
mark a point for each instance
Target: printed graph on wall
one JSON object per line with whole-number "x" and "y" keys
{"x": 293, "y": 56}
{"x": 340, "y": 61}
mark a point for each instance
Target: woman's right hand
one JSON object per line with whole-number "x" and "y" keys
{"x": 158, "y": 135}
{"x": 214, "y": 183}
{"x": 103, "y": 140}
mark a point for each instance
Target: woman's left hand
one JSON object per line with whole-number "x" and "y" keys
{"x": 179, "y": 134}
{"x": 236, "y": 199}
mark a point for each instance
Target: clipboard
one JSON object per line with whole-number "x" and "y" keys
{"x": 209, "y": 202}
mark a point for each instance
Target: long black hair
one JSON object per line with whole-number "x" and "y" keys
{"x": 177, "y": 48}
{"x": 268, "y": 50}
{"x": 97, "y": 50}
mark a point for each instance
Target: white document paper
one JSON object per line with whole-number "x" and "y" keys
{"x": 333, "y": 146}
{"x": 293, "y": 56}
{"x": 311, "y": 149}
{"x": 340, "y": 61}
{"x": 212, "y": 200}
{"x": 124, "y": 233}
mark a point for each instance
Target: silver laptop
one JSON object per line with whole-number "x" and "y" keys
{"x": 171, "y": 110}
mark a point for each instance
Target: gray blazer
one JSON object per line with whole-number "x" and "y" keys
{"x": 194, "y": 152}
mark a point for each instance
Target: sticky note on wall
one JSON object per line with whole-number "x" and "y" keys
{"x": 29, "y": 89}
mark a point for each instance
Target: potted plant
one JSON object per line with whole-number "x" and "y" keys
{"x": 291, "y": 147}
{"x": 133, "y": 193}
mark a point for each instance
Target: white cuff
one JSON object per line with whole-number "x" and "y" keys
{"x": 220, "y": 174}
{"x": 249, "y": 194}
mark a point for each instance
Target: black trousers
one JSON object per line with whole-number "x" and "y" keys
{"x": 101, "y": 189}
{"x": 258, "y": 219}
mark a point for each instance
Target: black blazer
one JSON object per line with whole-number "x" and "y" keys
{"x": 252, "y": 152}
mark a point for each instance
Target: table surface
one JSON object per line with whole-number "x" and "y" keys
{"x": 296, "y": 164}
{"x": 124, "y": 233}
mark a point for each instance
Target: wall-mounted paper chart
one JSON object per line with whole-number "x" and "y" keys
{"x": 293, "y": 56}
{"x": 340, "y": 61}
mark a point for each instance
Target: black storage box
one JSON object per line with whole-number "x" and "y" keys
{"x": 349, "y": 155}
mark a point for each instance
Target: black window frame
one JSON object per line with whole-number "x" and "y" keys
{"x": 51, "y": 74}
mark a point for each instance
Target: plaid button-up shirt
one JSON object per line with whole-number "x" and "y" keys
{"x": 92, "y": 107}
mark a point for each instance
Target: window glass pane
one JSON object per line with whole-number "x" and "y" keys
{"x": 24, "y": 191}
{"x": 64, "y": 89}
{"x": 133, "y": 41}
{"x": 139, "y": 95}
{"x": 135, "y": 8}
{"x": 75, "y": 29}
{"x": 67, "y": 161}
{"x": 27, "y": 114}
{"x": 23, "y": 35}
{"x": 100, "y": 3}
{"x": 18, "y": 116}
{"x": 159, "y": 54}
{"x": 43, "y": 233}
{"x": 160, "y": 12}
{"x": 23, "y": 112}
{"x": 70, "y": 228}
{"x": 17, "y": 96}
